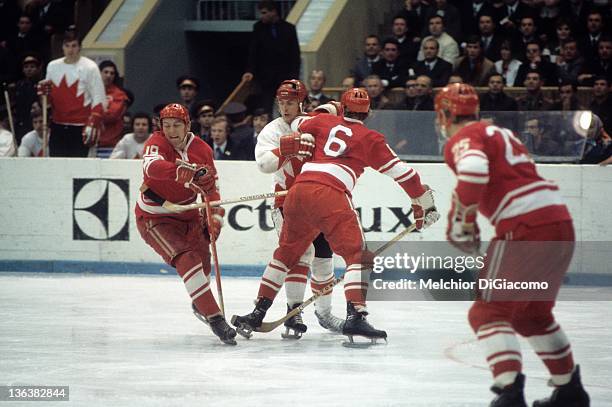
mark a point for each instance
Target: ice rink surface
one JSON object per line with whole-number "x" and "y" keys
{"x": 133, "y": 341}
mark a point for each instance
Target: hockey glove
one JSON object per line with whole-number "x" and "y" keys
{"x": 297, "y": 145}
{"x": 92, "y": 130}
{"x": 424, "y": 209}
{"x": 205, "y": 178}
{"x": 462, "y": 230}
{"x": 44, "y": 87}
{"x": 217, "y": 214}
{"x": 185, "y": 172}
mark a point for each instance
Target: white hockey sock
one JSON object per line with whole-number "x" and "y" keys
{"x": 322, "y": 275}
{"x": 502, "y": 351}
{"x": 295, "y": 284}
{"x": 554, "y": 349}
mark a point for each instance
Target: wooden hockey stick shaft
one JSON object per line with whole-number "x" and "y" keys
{"x": 269, "y": 326}
{"x": 213, "y": 249}
{"x": 45, "y": 117}
{"x": 9, "y": 111}
{"x": 182, "y": 208}
{"x": 231, "y": 96}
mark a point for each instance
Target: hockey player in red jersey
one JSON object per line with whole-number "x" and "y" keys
{"x": 177, "y": 165}
{"x": 320, "y": 201}
{"x": 275, "y": 153}
{"x": 497, "y": 177}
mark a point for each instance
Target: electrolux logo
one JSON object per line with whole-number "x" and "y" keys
{"x": 100, "y": 209}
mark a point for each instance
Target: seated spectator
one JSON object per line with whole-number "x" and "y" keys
{"x": 539, "y": 140}
{"x": 535, "y": 61}
{"x": 316, "y": 83}
{"x": 349, "y": 82}
{"x": 188, "y": 87}
{"x": 423, "y": 99}
{"x": 474, "y": 68}
{"x": 508, "y": 66}
{"x": 408, "y": 48}
{"x": 454, "y": 78}
{"x": 260, "y": 119}
{"x": 390, "y": 69}
{"x": 589, "y": 43}
{"x": 496, "y": 99}
{"x": 471, "y": 11}
{"x": 410, "y": 94}
{"x": 491, "y": 41}
{"x": 527, "y": 33}
{"x": 414, "y": 12}
{"x": 448, "y": 49}
{"x": 25, "y": 94}
{"x": 27, "y": 39}
{"x": 112, "y": 118}
{"x": 310, "y": 105}
{"x": 7, "y": 140}
{"x": 599, "y": 151}
{"x": 509, "y": 14}
{"x": 155, "y": 118}
{"x": 567, "y": 98}
{"x": 205, "y": 112}
{"x": 241, "y": 130}
{"x": 569, "y": 62}
{"x": 548, "y": 15}
{"x": 222, "y": 144}
{"x": 131, "y": 146}
{"x": 451, "y": 16}
{"x": 363, "y": 67}
{"x": 602, "y": 102}
{"x": 32, "y": 143}
{"x": 436, "y": 68}
{"x": 555, "y": 44}
{"x": 375, "y": 89}
{"x": 601, "y": 66}
{"x": 534, "y": 100}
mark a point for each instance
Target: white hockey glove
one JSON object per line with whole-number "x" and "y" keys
{"x": 462, "y": 230}
{"x": 424, "y": 209}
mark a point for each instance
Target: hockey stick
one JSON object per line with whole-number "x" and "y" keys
{"x": 213, "y": 247}
{"x": 45, "y": 104}
{"x": 269, "y": 326}
{"x": 182, "y": 208}
{"x": 9, "y": 111}
{"x": 232, "y": 95}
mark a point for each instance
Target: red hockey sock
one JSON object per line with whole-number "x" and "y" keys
{"x": 195, "y": 277}
{"x": 502, "y": 350}
{"x": 272, "y": 279}
{"x": 554, "y": 349}
{"x": 355, "y": 286}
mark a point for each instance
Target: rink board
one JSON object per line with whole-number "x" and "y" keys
{"x": 78, "y": 214}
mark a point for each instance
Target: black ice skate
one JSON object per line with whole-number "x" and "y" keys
{"x": 357, "y": 325}
{"x": 510, "y": 396}
{"x": 246, "y": 324}
{"x": 568, "y": 395}
{"x": 329, "y": 321}
{"x": 218, "y": 325}
{"x": 295, "y": 325}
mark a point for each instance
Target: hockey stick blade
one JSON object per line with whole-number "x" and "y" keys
{"x": 182, "y": 208}
{"x": 270, "y": 326}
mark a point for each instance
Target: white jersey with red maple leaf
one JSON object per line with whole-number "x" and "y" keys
{"x": 77, "y": 90}
{"x": 268, "y": 157}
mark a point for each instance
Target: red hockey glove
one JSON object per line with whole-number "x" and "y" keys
{"x": 205, "y": 178}
{"x": 297, "y": 145}
{"x": 44, "y": 87}
{"x": 424, "y": 209}
{"x": 462, "y": 230}
{"x": 92, "y": 130}
{"x": 185, "y": 172}
{"x": 217, "y": 214}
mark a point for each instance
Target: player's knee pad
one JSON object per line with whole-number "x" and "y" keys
{"x": 532, "y": 324}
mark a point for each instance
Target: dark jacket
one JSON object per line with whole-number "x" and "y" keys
{"x": 440, "y": 73}
{"x": 497, "y": 103}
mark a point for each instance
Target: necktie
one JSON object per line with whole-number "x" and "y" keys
{"x": 274, "y": 32}
{"x": 218, "y": 153}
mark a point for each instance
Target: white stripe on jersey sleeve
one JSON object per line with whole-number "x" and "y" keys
{"x": 473, "y": 164}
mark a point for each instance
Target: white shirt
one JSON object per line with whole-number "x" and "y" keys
{"x": 7, "y": 143}
{"x": 31, "y": 145}
{"x": 129, "y": 147}
{"x": 448, "y": 51}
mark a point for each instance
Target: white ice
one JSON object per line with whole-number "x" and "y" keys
{"x": 132, "y": 341}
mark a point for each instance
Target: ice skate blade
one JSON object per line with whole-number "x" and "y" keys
{"x": 231, "y": 341}
{"x": 241, "y": 329}
{"x": 362, "y": 345}
{"x": 293, "y": 336}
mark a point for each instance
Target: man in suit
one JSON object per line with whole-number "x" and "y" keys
{"x": 471, "y": 11}
{"x": 590, "y": 42}
{"x": 274, "y": 54}
{"x": 448, "y": 49}
{"x": 602, "y": 66}
{"x": 533, "y": 100}
{"x": 509, "y": 16}
{"x": 408, "y": 48}
{"x": 496, "y": 99}
{"x": 436, "y": 68}
{"x": 316, "y": 82}
{"x": 490, "y": 39}
{"x": 390, "y": 69}
{"x": 223, "y": 145}
{"x": 548, "y": 71}
{"x": 371, "y": 55}
{"x": 474, "y": 68}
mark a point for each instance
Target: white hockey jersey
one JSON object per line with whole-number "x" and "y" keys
{"x": 31, "y": 145}
{"x": 128, "y": 147}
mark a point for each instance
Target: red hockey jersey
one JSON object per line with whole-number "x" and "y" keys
{"x": 159, "y": 171}
{"x": 494, "y": 169}
{"x": 344, "y": 147}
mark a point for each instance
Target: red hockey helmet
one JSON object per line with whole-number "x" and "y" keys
{"x": 174, "y": 111}
{"x": 457, "y": 99}
{"x": 292, "y": 89}
{"x": 356, "y": 100}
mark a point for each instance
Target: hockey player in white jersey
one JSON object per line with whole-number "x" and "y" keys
{"x": 278, "y": 157}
